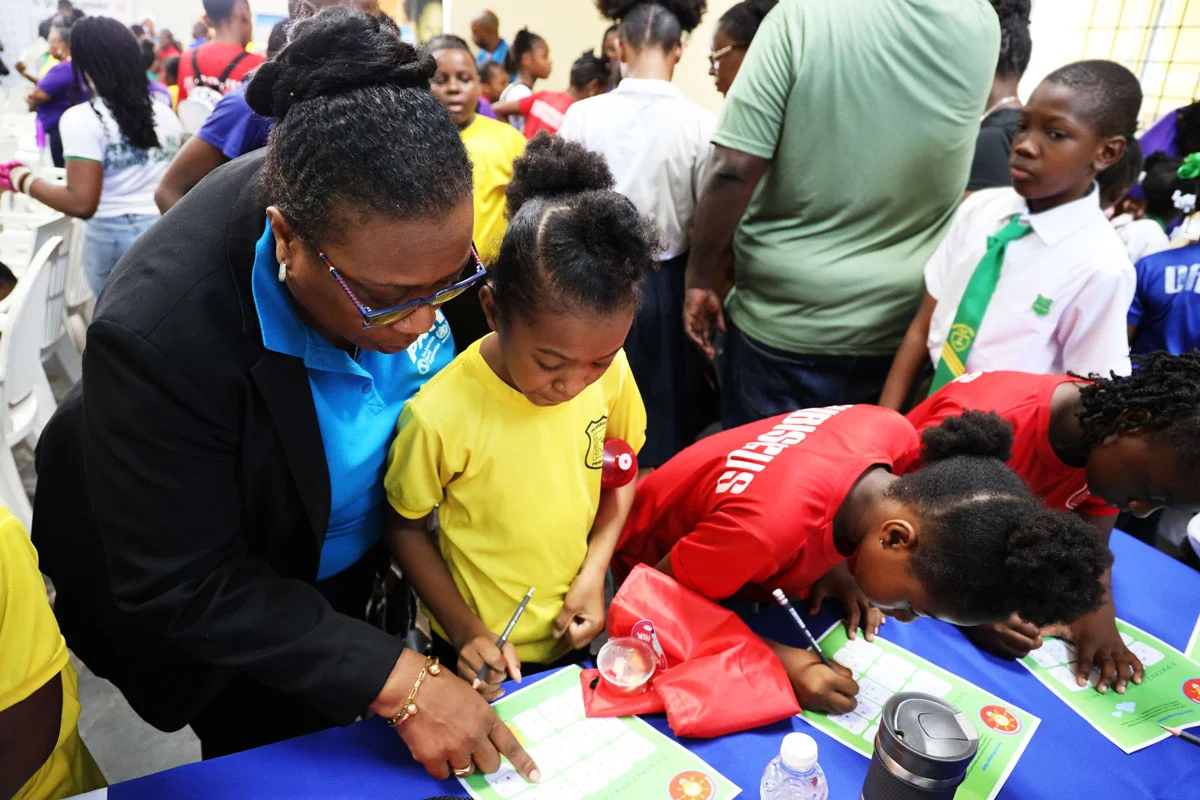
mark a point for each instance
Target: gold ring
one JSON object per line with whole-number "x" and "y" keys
{"x": 464, "y": 772}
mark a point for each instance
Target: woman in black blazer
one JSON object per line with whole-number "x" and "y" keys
{"x": 184, "y": 489}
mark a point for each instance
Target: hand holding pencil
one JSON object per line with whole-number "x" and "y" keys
{"x": 498, "y": 658}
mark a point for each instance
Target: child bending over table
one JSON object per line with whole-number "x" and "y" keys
{"x": 507, "y": 441}
{"x": 813, "y": 498}
{"x": 1091, "y": 447}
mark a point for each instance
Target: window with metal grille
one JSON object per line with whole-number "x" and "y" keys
{"x": 1159, "y": 40}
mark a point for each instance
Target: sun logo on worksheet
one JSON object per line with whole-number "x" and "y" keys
{"x": 1191, "y": 690}
{"x": 1000, "y": 719}
{"x": 691, "y": 785}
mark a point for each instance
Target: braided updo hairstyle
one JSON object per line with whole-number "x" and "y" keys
{"x": 356, "y": 127}
{"x": 572, "y": 243}
{"x": 988, "y": 547}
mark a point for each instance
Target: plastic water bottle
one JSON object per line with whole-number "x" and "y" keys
{"x": 794, "y": 774}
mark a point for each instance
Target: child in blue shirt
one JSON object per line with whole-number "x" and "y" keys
{"x": 1165, "y": 313}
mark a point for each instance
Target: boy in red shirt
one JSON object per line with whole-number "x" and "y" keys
{"x": 1131, "y": 441}
{"x": 223, "y": 62}
{"x": 545, "y": 111}
{"x": 783, "y": 502}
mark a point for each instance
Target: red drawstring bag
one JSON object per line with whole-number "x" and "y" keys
{"x": 721, "y": 678}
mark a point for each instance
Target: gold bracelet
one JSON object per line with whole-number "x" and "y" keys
{"x": 409, "y": 709}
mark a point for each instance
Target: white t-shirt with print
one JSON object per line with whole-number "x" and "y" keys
{"x": 131, "y": 175}
{"x": 514, "y": 93}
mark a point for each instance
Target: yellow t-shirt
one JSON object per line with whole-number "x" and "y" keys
{"x": 492, "y": 147}
{"x": 32, "y": 652}
{"x": 518, "y": 486}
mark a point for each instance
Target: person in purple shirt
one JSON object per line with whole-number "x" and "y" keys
{"x": 59, "y": 89}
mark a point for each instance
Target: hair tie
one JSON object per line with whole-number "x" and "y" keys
{"x": 1190, "y": 169}
{"x": 1184, "y": 202}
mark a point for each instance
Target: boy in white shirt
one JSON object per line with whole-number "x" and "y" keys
{"x": 1034, "y": 278}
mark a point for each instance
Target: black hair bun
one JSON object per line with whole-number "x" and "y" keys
{"x": 333, "y": 52}
{"x": 553, "y": 166}
{"x": 1054, "y": 563}
{"x": 973, "y": 433}
{"x": 688, "y": 12}
{"x": 760, "y": 8}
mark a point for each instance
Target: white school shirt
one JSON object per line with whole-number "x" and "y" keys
{"x": 657, "y": 145}
{"x": 1143, "y": 237}
{"x": 1064, "y": 290}
{"x": 131, "y": 175}
{"x": 514, "y": 93}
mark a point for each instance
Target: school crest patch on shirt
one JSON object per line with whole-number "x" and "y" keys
{"x": 595, "y": 452}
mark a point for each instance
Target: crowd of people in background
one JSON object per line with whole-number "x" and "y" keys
{"x": 954, "y": 321}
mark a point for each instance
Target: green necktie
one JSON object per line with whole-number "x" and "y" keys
{"x": 974, "y": 304}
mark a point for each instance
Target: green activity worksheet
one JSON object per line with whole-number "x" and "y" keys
{"x": 579, "y": 758}
{"x": 1168, "y": 694}
{"x": 882, "y": 669}
{"x": 1193, "y": 646}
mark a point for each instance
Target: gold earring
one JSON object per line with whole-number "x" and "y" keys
{"x": 282, "y": 271}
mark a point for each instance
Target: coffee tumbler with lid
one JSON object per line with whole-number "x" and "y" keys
{"x": 922, "y": 751}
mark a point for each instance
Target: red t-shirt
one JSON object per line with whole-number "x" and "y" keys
{"x": 214, "y": 58}
{"x": 1023, "y": 400}
{"x": 544, "y": 111}
{"x": 751, "y": 509}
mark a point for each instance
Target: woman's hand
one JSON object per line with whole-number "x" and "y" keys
{"x": 839, "y": 583}
{"x": 454, "y": 728}
{"x": 583, "y": 615}
{"x": 817, "y": 687}
{"x": 481, "y": 649}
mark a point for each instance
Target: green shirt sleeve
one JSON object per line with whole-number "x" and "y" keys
{"x": 752, "y": 119}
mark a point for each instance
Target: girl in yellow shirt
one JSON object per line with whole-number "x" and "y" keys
{"x": 506, "y": 442}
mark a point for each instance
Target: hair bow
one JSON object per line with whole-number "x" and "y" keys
{"x": 1190, "y": 169}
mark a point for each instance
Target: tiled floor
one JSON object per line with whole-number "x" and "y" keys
{"x": 123, "y": 745}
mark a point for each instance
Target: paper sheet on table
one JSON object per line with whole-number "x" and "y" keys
{"x": 1169, "y": 692}
{"x": 594, "y": 758}
{"x": 1193, "y": 646}
{"x": 882, "y": 669}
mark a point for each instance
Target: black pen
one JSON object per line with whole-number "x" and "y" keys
{"x": 781, "y": 598}
{"x": 503, "y": 640}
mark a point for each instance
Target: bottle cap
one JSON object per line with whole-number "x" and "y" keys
{"x": 799, "y": 751}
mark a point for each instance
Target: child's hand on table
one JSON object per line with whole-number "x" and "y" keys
{"x": 817, "y": 687}
{"x": 1013, "y": 638}
{"x": 481, "y": 649}
{"x": 583, "y": 614}
{"x": 839, "y": 583}
{"x": 1098, "y": 644}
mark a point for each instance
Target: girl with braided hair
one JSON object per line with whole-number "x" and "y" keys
{"x": 1090, "y": 446}
{"x": 117, "y": 147}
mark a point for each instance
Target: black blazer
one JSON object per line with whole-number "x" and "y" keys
{"x": 183, "y": 492}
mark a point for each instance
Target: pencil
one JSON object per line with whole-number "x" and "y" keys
{"x": 1187, "y": 737}
{"x": 781, "y": 598}
{"x": 508, "y": 629}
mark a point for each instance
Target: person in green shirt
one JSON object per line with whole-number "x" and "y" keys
{"x": 843, "y": 150}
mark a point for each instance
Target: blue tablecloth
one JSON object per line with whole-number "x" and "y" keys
{"x": 1066, "y": 758}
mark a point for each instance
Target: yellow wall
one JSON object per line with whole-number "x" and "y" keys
{"x": 572, "y": 26}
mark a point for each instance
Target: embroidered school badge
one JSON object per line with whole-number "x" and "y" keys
{"x": 961, "y": 336}
{"x": 1041, "y": 306}
{"x": 595, "y": 452}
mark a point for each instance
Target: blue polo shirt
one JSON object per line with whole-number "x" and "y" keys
{"x": 1166, "y": 305}
{"x": 357, "y": 402}
{"x": 498, "y": 55}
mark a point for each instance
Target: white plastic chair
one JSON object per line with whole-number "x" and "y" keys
{"x": 56, "y": 341}
{"x": 192, "y": 115}
{"x": 23, "y": 409}
{"x": 80, "y": 300}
